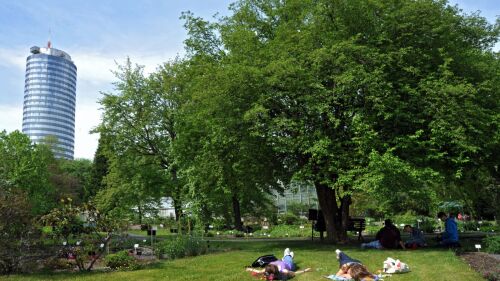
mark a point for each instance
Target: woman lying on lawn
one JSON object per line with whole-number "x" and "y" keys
{"x": 351, "y": 269}
{"x": 280, "y": 269}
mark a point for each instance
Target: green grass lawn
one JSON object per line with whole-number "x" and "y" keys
{"x": 428, "y": 264}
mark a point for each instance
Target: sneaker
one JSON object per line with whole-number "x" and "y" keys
{"x": 338, "y": 253}
{"x": 291, "y": 254}
{"x": 286, "y": 252}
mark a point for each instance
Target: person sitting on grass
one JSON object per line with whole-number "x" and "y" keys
{"x": 388, "y": 237}
{"x": 350, "y": 268}
{"x": 281, "y": 269}
{"x": 450, "y": 235}
{"x": 417, "y": 238}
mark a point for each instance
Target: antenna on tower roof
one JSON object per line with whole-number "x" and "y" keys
{"x": 49, "y": 44}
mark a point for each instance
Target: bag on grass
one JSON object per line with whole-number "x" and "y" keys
{"x": 395, "y": 266}
{"x": 264, "y": 260}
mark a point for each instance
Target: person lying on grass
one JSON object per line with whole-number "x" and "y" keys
{"x": 351, "y": 269}
{"x": 281, "y": 269}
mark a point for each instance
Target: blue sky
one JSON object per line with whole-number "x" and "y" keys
{"x": 99, "y": 33}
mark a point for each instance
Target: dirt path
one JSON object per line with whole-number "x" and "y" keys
{"x": 486, "y": 264}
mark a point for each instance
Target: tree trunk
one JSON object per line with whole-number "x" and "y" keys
{"x": 139, "y": 210}
{"x": 336, "y": 217}
{"x": 101, "y": 251}
{"x": 176, "y": 197}
{"x": 343, "y": 218}
{"x": 177, "y": 208}
{"x": 237, "y": 213}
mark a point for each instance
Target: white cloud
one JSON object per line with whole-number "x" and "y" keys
{"x": 12, "y": 118}
{"x": 87, "y": 118}
{"x": 13, "y": 57}
{"x": 94, "y": 75}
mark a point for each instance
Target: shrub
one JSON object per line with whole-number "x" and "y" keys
{"x": 180, "y": 247}
{"x": 121, "y": 260}
{"x": 17, "y": 231}
{"x": 492, "y": 244}
{"x": 56, "y": 263}
{"x": 492, "y": 228}
{"x": 428, "y": 225}
{"x": 407, "y": 218}
{"x": 289, "y": 218}
{"x": 282, "y": 231}
{"x": 468, "y": 226}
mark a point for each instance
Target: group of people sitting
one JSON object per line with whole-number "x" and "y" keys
{"x": 389, "y": 237}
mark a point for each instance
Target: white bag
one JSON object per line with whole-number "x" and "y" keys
{"x": 395, "y": 266}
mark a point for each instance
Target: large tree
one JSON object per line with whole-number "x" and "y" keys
{"x": 337, "y": 85}
{"x": 224, "y": 162}
{"x": 139, "y": 118}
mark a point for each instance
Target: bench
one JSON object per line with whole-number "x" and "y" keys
{"x": 357, "y": 224}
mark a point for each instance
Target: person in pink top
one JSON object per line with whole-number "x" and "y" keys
{"x": 280, "y": 269}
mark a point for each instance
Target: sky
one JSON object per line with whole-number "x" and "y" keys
{"x": 100, "y": 34}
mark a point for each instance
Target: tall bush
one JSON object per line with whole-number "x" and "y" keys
{"x": 180, "y": 247}
{"x": 492, "y": 244}
{"x": 17, "y": 231}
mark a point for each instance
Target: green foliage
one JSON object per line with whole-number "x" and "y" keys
{"x": 18, "y": 232}
{"x": 229, "y": 265}
{"x": 100, "y": 168}
{"x": 55, "y": 263}
{"x": 428, "y": 225}
{"x": 72, "y": 178}
{"x": 492, "y": 244}
{"x": 468, "y": 226}
{"x": 121, "y": 260}
{"x": 85, "y": 224}
{"x": 138, "y": 133}
{"x": 289, "y": 218}
{"x": 180, "y": 247}
{"x": 453, "y": 207}
{"x": 398, "y": 186}
{"x": 283, "y": 231}
{"x": 299, "y": 209}
{"x": 24, "y": 166}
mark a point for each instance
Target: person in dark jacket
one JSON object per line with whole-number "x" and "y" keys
{"x": 388, "y": 237}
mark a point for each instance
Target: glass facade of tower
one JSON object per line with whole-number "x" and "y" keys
{"x": 49, "y": 99}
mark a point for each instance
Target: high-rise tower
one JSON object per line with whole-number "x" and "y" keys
{"x": 49, "y": 99}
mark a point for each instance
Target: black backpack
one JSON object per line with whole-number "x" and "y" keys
{"x": 264, "y": 260}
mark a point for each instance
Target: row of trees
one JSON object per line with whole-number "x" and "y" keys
{"x": 391, "y": 105}
{"x": 389, "y": 102}
{"x": 31, "y": 169}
